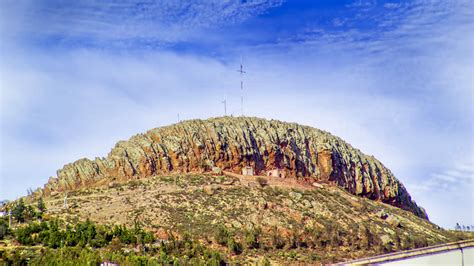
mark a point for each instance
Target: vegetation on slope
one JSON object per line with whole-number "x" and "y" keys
{"x": 211, "y": 218}
{"x": 86, "y": 243}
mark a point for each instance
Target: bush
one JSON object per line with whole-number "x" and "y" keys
{"x": 295, "y": 240}
{"x": 234, "y": 246}
{"x": 41, "y": 208}
{"x": 222, "y": 235}
{"x": 3, "y": 228}
{"x": 19, "y": 211}
{"x": 420, "y": 242}
{"x": 252, "y": 238}
{"x": 262, "y": 181}
{"x": 79, "y": 245}
{"x": 264, "y": 262}
{"x": 278, "y": 241}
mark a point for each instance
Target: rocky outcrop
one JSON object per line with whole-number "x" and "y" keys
{"x": 230, "y": 143}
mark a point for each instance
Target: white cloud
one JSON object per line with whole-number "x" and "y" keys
{"x": 402, "y": 91}
{"x": 99, "y": 21}
{"x": 392, "y": 5}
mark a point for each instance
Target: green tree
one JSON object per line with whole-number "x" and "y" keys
{"x": 19, "y": 211}
{"x": 71, "y": 237}
{"x": 30, "y": 213}
{"x": 457, "y": 227}
{"x": 3, "y": 228}
{"x": 41, "y": 207}
{"x": 25, "y": 234}
{"x": 55, "y": 236}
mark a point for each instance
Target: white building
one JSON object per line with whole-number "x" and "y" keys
{"x": 247, "y": 170}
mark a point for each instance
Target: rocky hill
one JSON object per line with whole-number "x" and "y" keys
{"x": 230, "y": 143}
{"x": 181, "y": 184}
{"x": 285, "y": 222}
{"x": 211, "y": 219}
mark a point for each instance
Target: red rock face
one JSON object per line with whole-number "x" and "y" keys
{"x": 232, "y": 143}
{"x": 325, "y": 164}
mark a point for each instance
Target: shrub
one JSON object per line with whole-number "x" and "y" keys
{"x": 3, "y": 228}
{"x": 23, "y": 236}
{"x": 371, "y": 239}
{"x": 252, "y": 238}
{"x": 264, "y": 262}
{"x": 420, "y": 241}
{"x": 213, "y": 258}
{"x": 79, "y": 242}
{"x": 278, "y": 241}
{"x": 41, "y": 207}
{"x": 19, "y": 211}
{"x": 262, "y": 181}
{"x": 30, "y": 213}
{"x": 222, "y": 235}
{"x": 234, "y": 246}
{"x": 115, "y": 244}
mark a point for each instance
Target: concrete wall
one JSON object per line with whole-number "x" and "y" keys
{"x": 451, "y": 257}
{"x": 457, "y": 253}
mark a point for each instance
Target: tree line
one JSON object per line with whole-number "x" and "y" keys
{"x": 462, "y": 227}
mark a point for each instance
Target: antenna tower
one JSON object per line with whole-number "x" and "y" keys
{"x": 242, "y": 72}
{"x": 225, "y": 107}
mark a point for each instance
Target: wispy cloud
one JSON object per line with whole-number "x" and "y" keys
{"x": 453, "y": 177}
{"x": 137, "y": 21}
{"x": 412, "y": 65}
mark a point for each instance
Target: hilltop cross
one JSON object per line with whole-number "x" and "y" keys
{"x": 242, "y": 72}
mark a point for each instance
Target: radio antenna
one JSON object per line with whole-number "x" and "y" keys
{"x": 225, "y": 107}
{"x": 242, "y": 72}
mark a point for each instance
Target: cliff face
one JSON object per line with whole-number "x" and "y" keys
{"x": 232, "y": 143}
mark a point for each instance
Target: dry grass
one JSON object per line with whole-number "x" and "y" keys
{"x": 180, "y": 204}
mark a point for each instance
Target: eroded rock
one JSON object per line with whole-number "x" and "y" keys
{"x": 230, "y": 143}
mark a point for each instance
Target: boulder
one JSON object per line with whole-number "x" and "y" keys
{"x": 393, "y": 221}
{"x": 386, "y": 240}
{"x": 295, "y": 195}
{"x": 210, "y": 189}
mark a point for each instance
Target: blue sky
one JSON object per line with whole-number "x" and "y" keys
{"x": 393, "y": 78}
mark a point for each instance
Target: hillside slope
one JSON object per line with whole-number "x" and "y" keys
{"x": 285, "y": 223}
{"x": 303, "y": 152}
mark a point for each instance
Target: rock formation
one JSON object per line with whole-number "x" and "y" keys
{"x": 230, "y": 143}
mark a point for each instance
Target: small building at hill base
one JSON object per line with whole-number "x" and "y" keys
{"x": 247, "y": 170}
{"x": 107, "y": 263}
{"x": 216, "y": 170}
{"x": 276, "y": 173}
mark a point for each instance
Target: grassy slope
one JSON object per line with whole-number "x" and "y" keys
{"x": 323, "y": 224}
